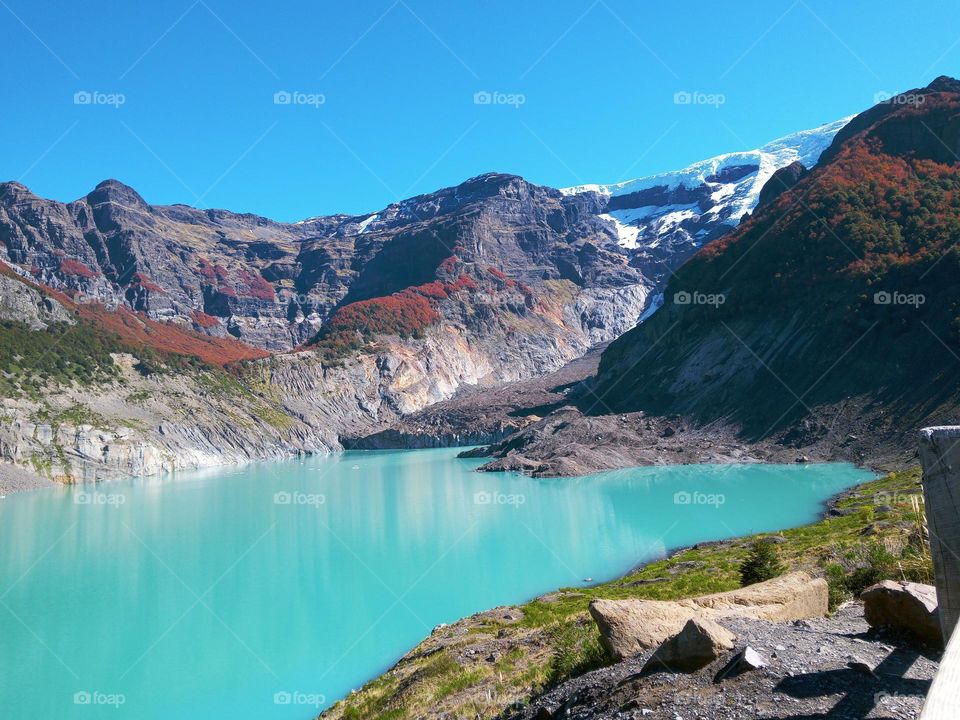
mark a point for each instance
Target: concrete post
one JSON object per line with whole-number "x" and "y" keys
{"x": 940, "y": 455}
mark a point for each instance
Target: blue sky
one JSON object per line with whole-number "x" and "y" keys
{"x": 397, "y": 78}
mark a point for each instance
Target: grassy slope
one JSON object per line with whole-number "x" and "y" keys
{"x": 482, "y": 665}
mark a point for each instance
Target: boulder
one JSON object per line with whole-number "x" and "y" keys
{"x": 908, "y": 607}
{"x": 631, "y": 626}
{"x": 699, "y": 643}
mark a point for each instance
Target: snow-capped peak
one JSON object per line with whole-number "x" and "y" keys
{"x": 666, "y": 212}
{"x": 804, "y": 146}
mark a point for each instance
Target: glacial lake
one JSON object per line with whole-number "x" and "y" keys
{"x": 271, "y": 590}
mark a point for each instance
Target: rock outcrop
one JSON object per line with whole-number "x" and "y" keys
{"x": 21, "y": 303}
{"x": 630, "y": 626}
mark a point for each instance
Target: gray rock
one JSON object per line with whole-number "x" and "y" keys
{"x": 699, "y": 643}
{"x": 908, "y": 607}
{"x": 744, "y": 661}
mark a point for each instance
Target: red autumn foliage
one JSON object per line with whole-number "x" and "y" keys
{"x": 449, "y": 265}
{"x": 206, "y": 269}
{"x": 498, "y": 274}
{"x": 76, "y": 269}
{"x": 464, "y": 282}
{"x": 137, "y": 330}
{"x": 405, "y": 313}
{"x": 221, "y": 273}
{"x": 435, "y": 290}
{"x": 204, "y": 320}
{"x": 147, "y": 284}
{"x": 229, "y": 292}
{"x": 257, "y": 286}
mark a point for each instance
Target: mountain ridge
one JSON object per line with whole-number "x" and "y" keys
{"x": 825, "y": 326}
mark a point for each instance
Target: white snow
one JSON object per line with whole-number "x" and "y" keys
{"x": 627, "y": 235}
{"x": 644, "y": 226}
{"x": 655, "y": 304}
{"x": 364, "y": 224}
{"x": 804, "y": 146}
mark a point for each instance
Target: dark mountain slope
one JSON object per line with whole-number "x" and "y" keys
{"x": 848, "y": 284}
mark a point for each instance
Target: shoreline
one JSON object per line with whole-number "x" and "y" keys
{"x": 828, "y": 506}
{"x": 507, "y": 655}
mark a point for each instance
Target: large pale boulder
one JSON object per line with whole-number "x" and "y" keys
{"x": 905, "y": 606}
{"x": 631, "y": 626}
{"x": 699, "y": 643}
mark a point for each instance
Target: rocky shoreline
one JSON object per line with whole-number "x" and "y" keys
{"x": 824, "y": 667}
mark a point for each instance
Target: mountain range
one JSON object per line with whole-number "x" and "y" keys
{"x": 336, "y": 327}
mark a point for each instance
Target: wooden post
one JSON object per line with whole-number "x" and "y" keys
{"x": 943, "y": 700}
{"x": 940, "y": 455}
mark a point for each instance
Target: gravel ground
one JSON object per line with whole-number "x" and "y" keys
{"x": 835, "y": 668}
{"x": 14, "y": 479}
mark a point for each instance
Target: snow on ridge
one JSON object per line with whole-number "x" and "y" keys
{"x": 805, "y": 146}
{"x": 362, "y": 226}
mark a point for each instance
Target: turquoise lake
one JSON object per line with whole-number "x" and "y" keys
{"x": 271, "y": 590}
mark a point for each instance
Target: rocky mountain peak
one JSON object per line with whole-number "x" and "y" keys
{"x": 944, "y": 83}
{"x": 14, "y": 189}
{"x": 116, "y": 192}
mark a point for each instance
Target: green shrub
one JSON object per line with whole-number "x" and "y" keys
{"x": 878, "y": 564}
{"x": 761, "y": 563}
{"x": 576, "y": 649}
{"x": 837, "y": 589}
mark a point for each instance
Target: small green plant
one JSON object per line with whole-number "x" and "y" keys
{"x": 576, "y": 649}
{"x": 916, "y": 564}
{"x": 878, "y": 564}
{"x": 761, "y": 563}
{"x": 838, "y": 592}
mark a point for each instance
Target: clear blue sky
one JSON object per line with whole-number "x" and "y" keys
{"x": 199, "y": 125}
